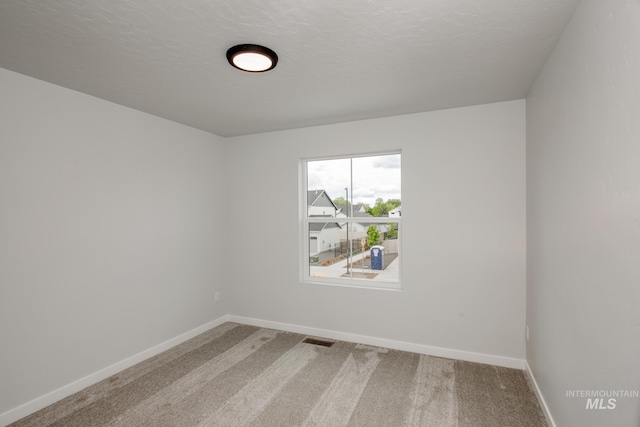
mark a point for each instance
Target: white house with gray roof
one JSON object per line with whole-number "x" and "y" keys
{"x": 359, "y": 229}
{"x": 323, "y": 236}
{"x": 320, "y": 204}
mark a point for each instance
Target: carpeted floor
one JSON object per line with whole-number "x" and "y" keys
{"x": 238, "y": 375}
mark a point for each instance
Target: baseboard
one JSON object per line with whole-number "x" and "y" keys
{"x": 543, "y": 403}
{"x": 488, "y": 359}
{"x": 41, "y": 402}
{"x": 28, "y": 408}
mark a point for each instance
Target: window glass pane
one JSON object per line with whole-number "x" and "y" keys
{"x": 376, "y": 184}
{"x": 373, "y": 255}
{"x": 327, "y": 251}
{"x": 328, "y": 186}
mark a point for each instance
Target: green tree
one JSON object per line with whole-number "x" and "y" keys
{"x": 373, "y": 236}
{"x": 392, "y": 233}
{"x": 393, "y": 203}
{"x": 382, "y": 208}
{"x": 379, "y": 209}
{"x": 340, "y": 201}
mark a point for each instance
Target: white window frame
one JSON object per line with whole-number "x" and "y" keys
{"x": 305, "y": 220}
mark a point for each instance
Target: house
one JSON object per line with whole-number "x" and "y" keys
{"x": 358, "y": 208}
{"x": 322, "y": 236}
{"x": 358, "y": 230}
{"x": 518, "y": 127}
{"x": 396, "y": 212}
{"x": 320, "y": 204}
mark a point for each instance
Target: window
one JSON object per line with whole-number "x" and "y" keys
{"x": 351, "y": 221}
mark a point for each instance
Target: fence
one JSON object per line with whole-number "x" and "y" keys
{"x": 390, "y": 246}
{"x": 343, "y": 248}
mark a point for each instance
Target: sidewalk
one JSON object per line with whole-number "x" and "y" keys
{"x": 389, "y": 274}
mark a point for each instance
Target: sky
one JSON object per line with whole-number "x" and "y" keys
{"x": 373, "y": 177}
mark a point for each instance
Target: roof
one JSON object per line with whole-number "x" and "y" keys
{"x": 359, "y": 209}
{"x": 314, "y": 197}
{"x": 319, "y": 226}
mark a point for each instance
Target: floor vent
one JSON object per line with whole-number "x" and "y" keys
{"x": 318, "y": 341}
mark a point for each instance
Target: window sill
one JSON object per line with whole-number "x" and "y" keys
{"x": 358, "y": 284}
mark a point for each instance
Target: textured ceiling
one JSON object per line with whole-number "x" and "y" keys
{"x": 338, "y": 60}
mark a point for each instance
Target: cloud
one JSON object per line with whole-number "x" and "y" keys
{"x": 373, "y": 177}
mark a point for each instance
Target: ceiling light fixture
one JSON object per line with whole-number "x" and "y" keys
{"x": 252, "y": 58}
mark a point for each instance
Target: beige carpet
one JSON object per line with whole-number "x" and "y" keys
{"x": 238, "y": 375}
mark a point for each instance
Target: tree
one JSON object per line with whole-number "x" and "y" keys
{"x": 373, "y": 236}
{"x": 340, "y": 201}
{"x": 392, "y": 233}
{"x": 382, "y": 208}
{"x": 393, "y": 203}
{"x": 379, "y": 209}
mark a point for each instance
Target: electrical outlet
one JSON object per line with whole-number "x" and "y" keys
{"x": 216, "y": 296}
{"x": 526, "y": 332}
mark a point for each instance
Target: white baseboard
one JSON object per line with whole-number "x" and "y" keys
{"x": 488, "y": 359}
{"x": 41, "y": 402}
{"x": 543, "y": 403}
{"x": 28, "y": 408}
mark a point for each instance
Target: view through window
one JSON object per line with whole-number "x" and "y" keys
{"x": 352, "y": 223}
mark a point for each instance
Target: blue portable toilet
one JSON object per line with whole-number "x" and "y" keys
{"x": 377, "y": 257}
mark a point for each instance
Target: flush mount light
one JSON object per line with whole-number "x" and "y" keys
{"x": 252, "y": 58}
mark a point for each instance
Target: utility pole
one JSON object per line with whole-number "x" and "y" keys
{"x": 346, "y": 198}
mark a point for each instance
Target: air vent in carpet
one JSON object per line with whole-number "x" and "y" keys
{"x": 318, "y": 341}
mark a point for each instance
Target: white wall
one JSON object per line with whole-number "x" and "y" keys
{"x": 463, "y": 219}
{"x": 110, "y": 222}
{"x": 583, "y": 212}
